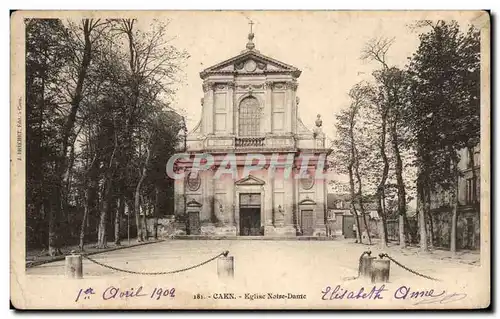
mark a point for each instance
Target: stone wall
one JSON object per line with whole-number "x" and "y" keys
{"x": 167, "y": 226}
{"x": 442, "y": 228}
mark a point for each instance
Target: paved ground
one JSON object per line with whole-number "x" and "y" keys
{"x": 37, "y": 257}
{"x": 260, "y": 266}
{"x": 301, "y": 260}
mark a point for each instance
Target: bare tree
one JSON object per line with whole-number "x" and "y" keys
{"x": 392, "y": 83}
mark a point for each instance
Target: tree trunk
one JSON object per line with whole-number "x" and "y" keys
{"x": 53, "y": 242}
{"x": 360, "y": 200}
{"x": 62, "y": 165}
{"x": 118, "y": 217}
{"x": 381, "y": 186}
{"x": 140, "y": 233}
{"x": 82, "y": 226}
{"x": 102, "y": 238}
{"x": 353, "y": 206}
{"x": 90, "y": 201}
{"x": 144, "y": 224}
{"x": 432, "y": 236}
{"x": 383, "y": 240}
{"x": 400, "y": 184}
{"x": 384, "y": 218}
{"x": 421, "y": 214}
{"x": 137, "y": 210}
{"x": 454, "y": 207}
{"x": 156, "y": 212}
{"x": 352, "y": 161}
{"x": 102, "y": 241}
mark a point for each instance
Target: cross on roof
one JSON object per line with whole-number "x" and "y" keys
{"x": 251, "y": 25}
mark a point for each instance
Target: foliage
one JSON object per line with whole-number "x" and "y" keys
{"x": 96, "y": 104}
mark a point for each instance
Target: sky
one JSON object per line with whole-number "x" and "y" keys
{"x": 325, "y": 45}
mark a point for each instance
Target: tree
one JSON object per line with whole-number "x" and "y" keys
{"x": 98, "y": 106}
{"x": 347, "y": 150}
{"x": 46, "y": 58}
{"x": 443, "y": 113}
{"x": 153, "y": 66}
{"x": 392, "y": 83}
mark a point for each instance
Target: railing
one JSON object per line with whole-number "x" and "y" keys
{"x": 249, "y": 141}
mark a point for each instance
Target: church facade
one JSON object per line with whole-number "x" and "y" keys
{"x": 250, "y": 113}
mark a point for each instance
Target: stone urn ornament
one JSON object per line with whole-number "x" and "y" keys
{"x": 319, "y": 121}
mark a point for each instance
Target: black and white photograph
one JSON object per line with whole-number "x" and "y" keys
{"x": 250, "y": 160}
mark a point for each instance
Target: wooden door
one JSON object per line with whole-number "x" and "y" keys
{"x": 307, "y": 222}
{"x": 254, "y": 221}
{"x": 250, "y": 214}
{"x": 347, "y": 223}
{"x": 194, "y": 223}
{"x": 250, "y": 221}
{"x": 244, "y": 222}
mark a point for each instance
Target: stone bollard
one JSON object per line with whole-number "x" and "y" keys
{"x": 73, "y": 266}
{"x": 225, "y": 267}
{"x": 380, "y": 270}
{"x": 365, "y": 265}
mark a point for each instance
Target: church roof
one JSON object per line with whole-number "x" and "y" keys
{"x": 264, "y": 64}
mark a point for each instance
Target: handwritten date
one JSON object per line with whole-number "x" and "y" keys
{"x": 113, "y": 292}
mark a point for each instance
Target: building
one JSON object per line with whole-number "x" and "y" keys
{"x": 250, "y": 106}
{"x": 340, "y": 220}
{"x": 468, "y": 210}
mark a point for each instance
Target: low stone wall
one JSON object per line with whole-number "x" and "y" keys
{"x": 167, "y": 227}
{"x": 223, "y": 230}
{"x": 283, "y": 231}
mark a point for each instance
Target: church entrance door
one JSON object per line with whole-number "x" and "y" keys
{"x": 250, "y": 215}
{"x": 307, "y": 222}
{"x": 194, "y": 223}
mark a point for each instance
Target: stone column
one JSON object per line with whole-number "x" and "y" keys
{"x": 268, "y": 107}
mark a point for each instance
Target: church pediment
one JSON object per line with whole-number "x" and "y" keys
{"x": 250, "y": 62}
{"x": 250, "y": 180}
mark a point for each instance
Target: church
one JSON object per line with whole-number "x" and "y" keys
{"x": 250, "y": 106}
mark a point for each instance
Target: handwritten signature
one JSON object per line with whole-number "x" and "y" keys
{"x": 422, "y": 296}
{"x": 427, "y": 296}
{"x": 113, "y": 292}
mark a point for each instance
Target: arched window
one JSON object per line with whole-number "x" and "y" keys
{"x": 249, "y": 117}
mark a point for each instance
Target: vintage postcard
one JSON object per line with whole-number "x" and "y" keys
{"x": 250, "y": 160}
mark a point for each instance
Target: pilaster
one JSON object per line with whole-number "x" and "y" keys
{"x": 230, "y": 106}
{"x": 208, "y": 123}
{"x": 291, "y": 87}
{"x": 179, "y": 195}
{"x": 268, "y": 118}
